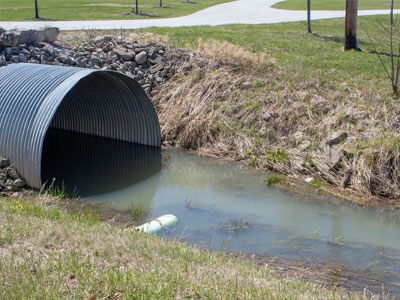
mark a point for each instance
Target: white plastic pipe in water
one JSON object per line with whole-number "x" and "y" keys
{"x": 158, "y": 224}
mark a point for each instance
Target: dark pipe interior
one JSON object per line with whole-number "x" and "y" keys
{"x": 86, "y": 165}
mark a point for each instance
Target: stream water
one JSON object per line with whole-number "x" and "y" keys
{"x": 228, "y": 207}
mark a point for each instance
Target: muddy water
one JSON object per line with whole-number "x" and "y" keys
{"x": 229, "y": 207}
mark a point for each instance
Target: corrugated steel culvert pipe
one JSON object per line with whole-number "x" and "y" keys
{"x": 34, "y": 98}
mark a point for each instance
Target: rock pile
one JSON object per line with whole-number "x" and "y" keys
{"x": 19, "y": 37}
{"x": 10, "y": 181}
{"x": 149, "y": 63}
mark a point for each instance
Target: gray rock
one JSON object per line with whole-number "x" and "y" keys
{"x": 64, "y": 59}
{"x": 82, "y": 62}
{"x": 215, "y": 64}
{"x": 101, "y": 39}
{"x": 156, "y": 68}
{"x": 12, "y": 173}
{"x": 4, "y": 162}
{"x": 21, "y": 58}
{"x": 50, "y": 50}
{"x": 38, "y": 37}
{"x": 187, "y": 67}
{"x": 9, "y": 183}
{"x": 15, "y": 50}
{"x": 333, "y": 155}
{"x": 19, "y": 183}
{"x": 304, "y": 145}
{"x": 3, "y": 61}
{"x": 8, "y": 39}
{"x": 33, "y": 53}
{"x": 141, "y": 58}
{"x": 51, "y": 34}
{"x": 270, "y": 116}
{"x": 8, "y": 51}
{"x": 337, "y": 138}
{"x": 127, "y": 56}
{"x": 26, "y": 37}
{"x": 95, "y": 60}
{"x": 15, "y": 59}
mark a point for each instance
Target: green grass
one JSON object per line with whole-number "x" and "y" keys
{"x": 139, "y": 211}
{"x": 47, "y": 253}
{"x": 275, "y": 179}
{"x": 319, "y": 54}
{"x": 334, "y": 4}
{"x": 13, "y": 10}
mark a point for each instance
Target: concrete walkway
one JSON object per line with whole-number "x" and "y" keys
{"x": 237, "y": 12}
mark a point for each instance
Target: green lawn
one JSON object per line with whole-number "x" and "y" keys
{"x": 99, "y": 9}
{"x": 319, "y": 54}
{"x": 334, "y": 4}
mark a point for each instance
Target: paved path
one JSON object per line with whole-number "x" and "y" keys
{"x": 237, "y": 12}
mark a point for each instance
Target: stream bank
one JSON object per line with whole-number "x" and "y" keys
{"x": 223, "y": 101}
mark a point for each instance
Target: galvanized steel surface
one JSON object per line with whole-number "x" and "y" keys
{"x": 35, "y": 97}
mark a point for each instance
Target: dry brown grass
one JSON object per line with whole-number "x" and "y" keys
{"x": 232, "y": 55}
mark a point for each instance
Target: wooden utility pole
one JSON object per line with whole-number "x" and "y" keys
{"x": 350, "y": 41}
{"x": 36, "y": 10}
{"x": 160, "y": 3}
{"x": 137, "y": 7}
{"x": 308, "y": 16}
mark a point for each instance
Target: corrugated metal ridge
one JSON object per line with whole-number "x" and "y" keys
{"x": 103, "y": 103}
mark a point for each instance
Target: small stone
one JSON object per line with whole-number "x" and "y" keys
{"x": 19, "y": 183}
{"x": 337, "y": 138}
{"x": 12, "y": 173}
{"x": 51, "y": 34}
{"x": 141, "y": 58}
{"x": 64, "y": 59}
{"x": 187, "y": 67}
{"x": 101, "y": 39}
{"x": 127, "y": 56}
{"x": 4, "y": 162}
{"x": 15, "y": 59}
{"x": 304, "y": 145}
{"x": 21, "y": 58}
{"x": 156, "y": 68}
{"x": 270, "y": 116}
{"x": 95, "y": 60}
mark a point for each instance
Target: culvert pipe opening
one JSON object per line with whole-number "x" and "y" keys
{"x": 46, "y": 111}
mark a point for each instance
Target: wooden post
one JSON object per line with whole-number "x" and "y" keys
{"x": 308, "y": 16}
{"x": 160, "y": 3}
{"x": 350, "y": 41}
{"x": 137, "y": 7}
{"x": 36, "y": 10}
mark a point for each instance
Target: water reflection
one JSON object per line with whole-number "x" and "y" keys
{"x": 88, "y": 165}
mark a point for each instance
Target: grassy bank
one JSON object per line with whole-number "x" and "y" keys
{"x": 100, "y": 10}
{"x": 334, "y": 4}
{"x": 48, "y": 253}
{"x": 277, "y": 101}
